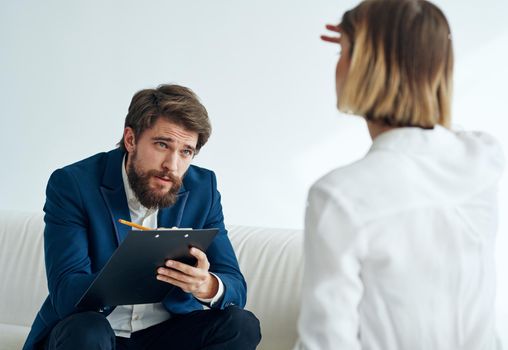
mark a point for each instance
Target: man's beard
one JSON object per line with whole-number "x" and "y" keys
{"x": 140, "y": 184}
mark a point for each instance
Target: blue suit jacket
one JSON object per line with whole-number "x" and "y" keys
{"x": 83, "y": 204}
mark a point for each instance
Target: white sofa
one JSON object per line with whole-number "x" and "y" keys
{"x": 271, "y": 260}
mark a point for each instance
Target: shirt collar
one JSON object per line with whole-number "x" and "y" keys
{"x": 413, "y": 139}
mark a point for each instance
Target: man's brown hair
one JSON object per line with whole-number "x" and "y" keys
{"x": 400, "y": 72}
{"x": 175, "y": 103}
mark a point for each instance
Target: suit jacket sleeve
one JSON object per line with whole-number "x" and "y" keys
{"x": 65, "y": 243}
{"x": 332, "y": 287}
{"x": 222, "y": 258}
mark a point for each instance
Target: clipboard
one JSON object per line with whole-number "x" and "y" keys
{"x": 128, "y": 278}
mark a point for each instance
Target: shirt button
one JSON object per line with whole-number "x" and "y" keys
{"x": 135, "y": 317}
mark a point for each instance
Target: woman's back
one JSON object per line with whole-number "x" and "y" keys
{"x": 408, "y": 232}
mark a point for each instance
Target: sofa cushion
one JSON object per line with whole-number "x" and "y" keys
{"x": 12, "y": 336}
{"x": 23, "y": 275}
{"x": 271, "y": 261}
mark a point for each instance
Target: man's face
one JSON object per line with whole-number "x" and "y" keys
{"x": 157, "y": 161}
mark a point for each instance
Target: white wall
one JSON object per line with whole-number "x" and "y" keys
{"x": 68, "y": 70}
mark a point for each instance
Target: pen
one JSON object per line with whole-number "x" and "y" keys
{"x": 131, "y": 224}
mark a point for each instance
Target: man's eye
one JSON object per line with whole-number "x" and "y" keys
{"x": 162, "y": 145}
{"x": 187, "y": 152}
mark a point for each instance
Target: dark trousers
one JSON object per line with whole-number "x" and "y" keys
{"x": 231, "y": 328}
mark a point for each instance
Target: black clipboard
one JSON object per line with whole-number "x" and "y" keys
{"x": 128, "y": 278}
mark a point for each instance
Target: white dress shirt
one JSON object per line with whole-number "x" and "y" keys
{"x": 126, "y": 319}
{"x": 399, "y": 246}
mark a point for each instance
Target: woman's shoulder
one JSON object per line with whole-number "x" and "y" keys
{"x": 367, "y": 171}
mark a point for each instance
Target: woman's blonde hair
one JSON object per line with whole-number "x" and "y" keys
{"x": 401, "y": 63}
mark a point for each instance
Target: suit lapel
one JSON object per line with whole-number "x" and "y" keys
{"x": 113, "y": 191}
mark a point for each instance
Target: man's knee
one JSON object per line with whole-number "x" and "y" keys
{"x": 88, "y": 329}
{"x": 244, "y": 323}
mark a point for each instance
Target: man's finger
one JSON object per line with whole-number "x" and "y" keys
{"x": 202, "y": 259}
{"x": 176, "y": 265}
{"x": 183, "y": 286}
{"x": 175, "y": 275}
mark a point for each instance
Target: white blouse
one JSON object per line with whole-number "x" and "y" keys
{"x": 399, "y": 246}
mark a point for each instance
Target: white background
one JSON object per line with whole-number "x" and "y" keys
{"x": 68, "y": 70}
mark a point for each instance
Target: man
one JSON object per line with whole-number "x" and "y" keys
{"x": 149, "y": 181}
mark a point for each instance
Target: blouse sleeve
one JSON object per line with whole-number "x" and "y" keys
{"x": 332, "y": 288}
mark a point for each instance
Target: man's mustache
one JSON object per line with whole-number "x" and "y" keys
{"x": 173, "y": 178}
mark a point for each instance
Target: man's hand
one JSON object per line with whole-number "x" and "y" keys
{"x": 191, "y": 279}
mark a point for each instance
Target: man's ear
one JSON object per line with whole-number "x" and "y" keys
{"x": 129, "y": 139}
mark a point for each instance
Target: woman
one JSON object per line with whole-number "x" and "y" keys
{"x": 399, "y": 246}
